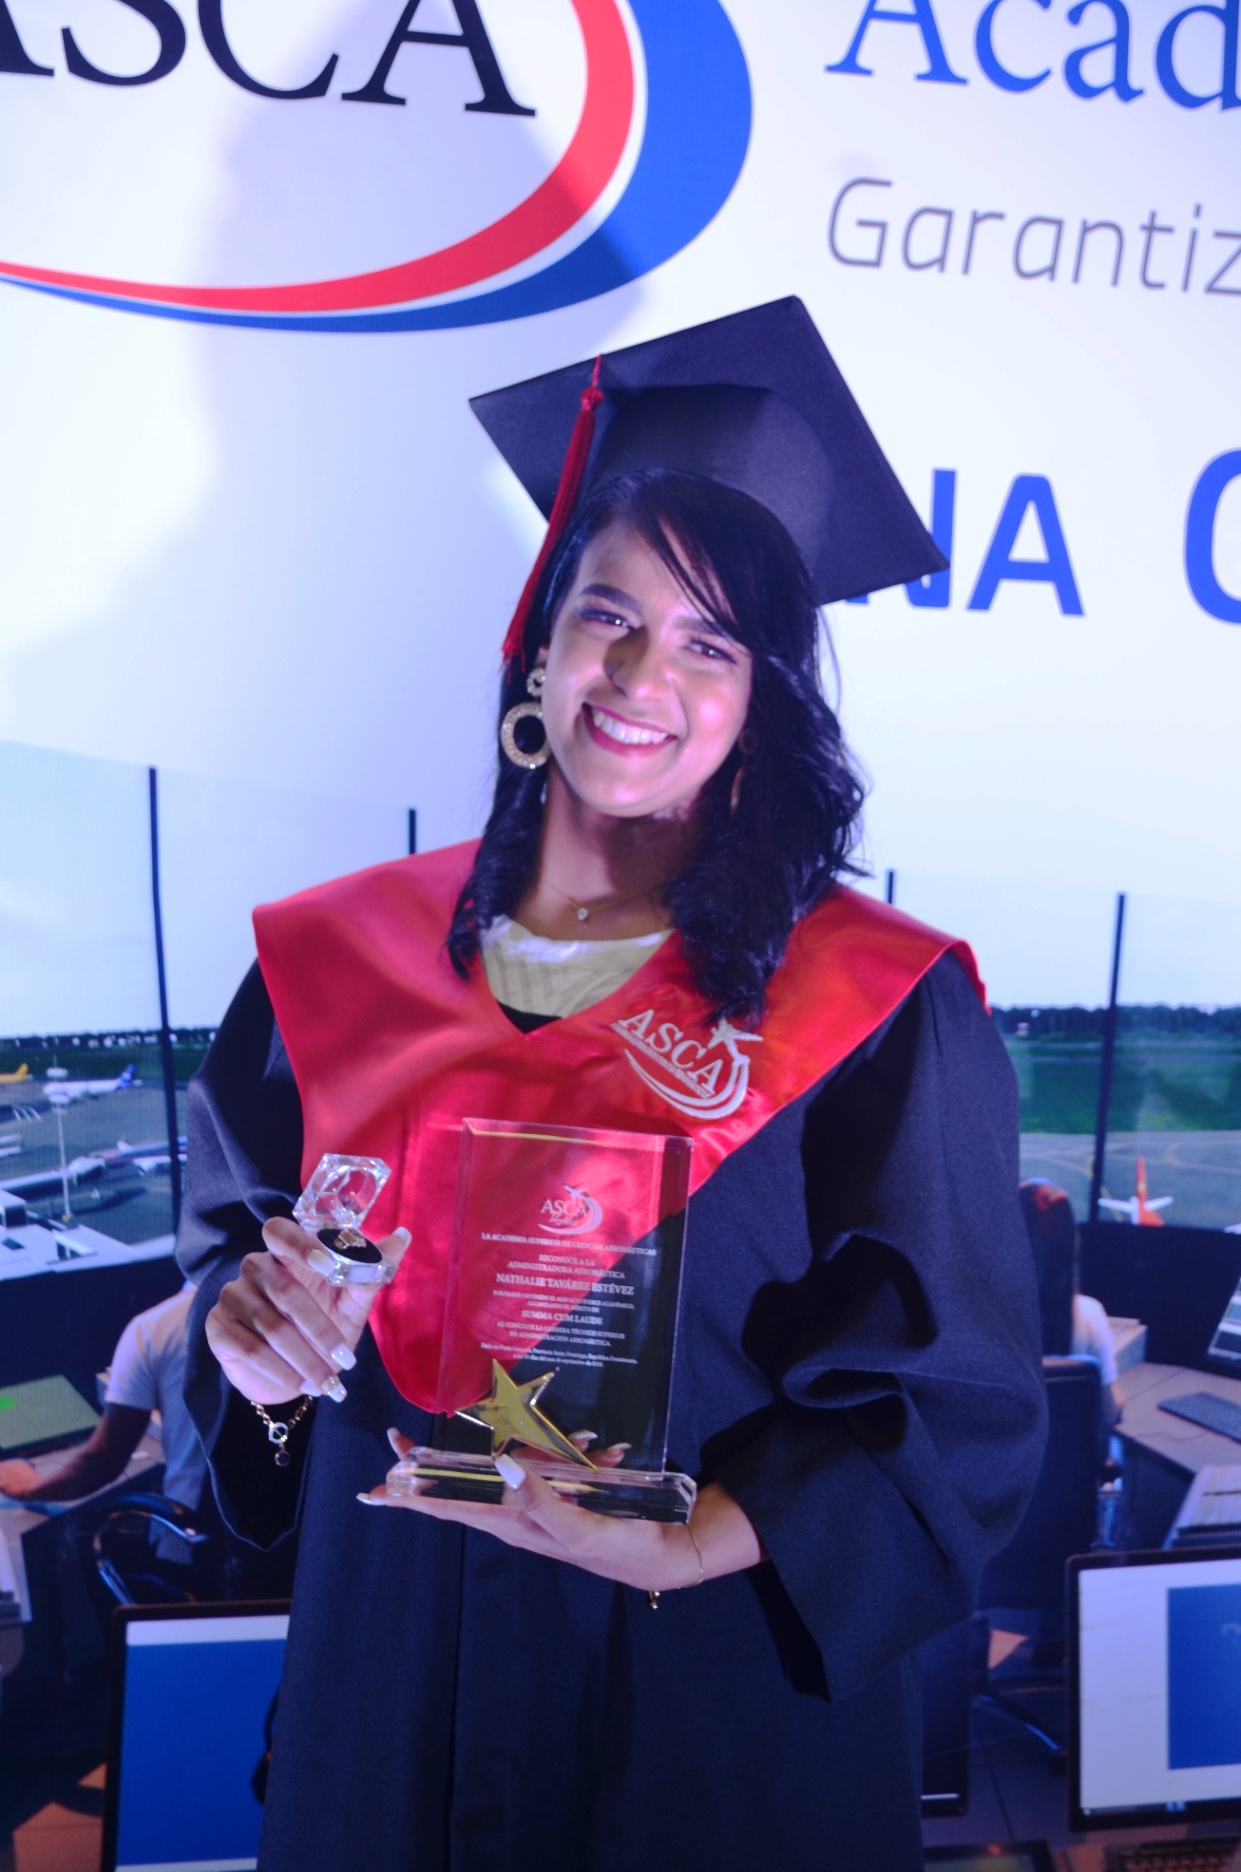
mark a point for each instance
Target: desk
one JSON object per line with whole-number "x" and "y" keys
{"x": 28, "y": 1563}
{"x": 32, "y": 1250}
{"x": 1163, "y": 1454}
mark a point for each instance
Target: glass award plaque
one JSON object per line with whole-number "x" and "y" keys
{"x": 332, "y": 1207}
{"x": 561, "y": 1320}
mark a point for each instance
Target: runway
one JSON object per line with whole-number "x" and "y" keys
{"x": 1200, "y": 1170}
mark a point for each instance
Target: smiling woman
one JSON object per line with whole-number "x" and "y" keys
{"x": 651, "y": 938}
{"x": 690, "y": 740}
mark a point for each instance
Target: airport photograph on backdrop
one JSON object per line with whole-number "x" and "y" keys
{"x": 1141, "y": 1077}
{"x": 620, "y": 936}
{"x": 126, "y": 928}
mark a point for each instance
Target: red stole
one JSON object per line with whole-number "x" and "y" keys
{"x": 391, "y": 1050}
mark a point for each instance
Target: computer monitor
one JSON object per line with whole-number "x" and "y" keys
{"x": 43, "y": 1414}
{"x": 1154, "y": 1688}
{"x": 1225, "y": 1346}
{"x": 192, "y": 1693}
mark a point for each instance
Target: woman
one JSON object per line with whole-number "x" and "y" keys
{"x": 857, "y": 1390}
{"x": 1072, "y": 1322}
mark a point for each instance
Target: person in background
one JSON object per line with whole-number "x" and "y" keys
{"x": 1074, "y": 1325}
{"x": 147, "y": 1375}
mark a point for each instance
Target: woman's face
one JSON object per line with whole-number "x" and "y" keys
{"x": 644, "y": 697}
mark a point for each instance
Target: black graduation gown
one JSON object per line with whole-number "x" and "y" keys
{"x": 859, "y": 1366}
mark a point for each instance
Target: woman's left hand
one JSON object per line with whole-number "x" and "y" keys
{"x": 651, "y": 1555}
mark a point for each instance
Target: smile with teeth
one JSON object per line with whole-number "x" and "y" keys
{"x": 627, "y": 733}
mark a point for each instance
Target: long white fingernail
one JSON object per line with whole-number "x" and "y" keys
{"x": 342, "y": 1358}
{"x": 333, "y": 1388}
{"x": 403, "y": 1235}
{"x": 512, "y": 1472}
{"x": 371, "y": 1501}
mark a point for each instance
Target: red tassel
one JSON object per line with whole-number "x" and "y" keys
{"x": 567, "y": 490}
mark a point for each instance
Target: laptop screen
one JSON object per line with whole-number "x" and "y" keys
{"x": 1226, "y": 1344}
{"x": 193, "y": 1690}
{"x": 1155, "y": 1687}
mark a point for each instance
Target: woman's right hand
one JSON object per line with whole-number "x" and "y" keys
{"x": 280, "y": 1328}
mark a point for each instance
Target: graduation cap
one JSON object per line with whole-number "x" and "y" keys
{"x": 753, "y": 400}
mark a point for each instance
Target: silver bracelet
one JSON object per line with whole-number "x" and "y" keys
{"x": 278, "y": 1432}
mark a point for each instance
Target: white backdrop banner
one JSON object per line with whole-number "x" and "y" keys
{"x": 256, "y": 259}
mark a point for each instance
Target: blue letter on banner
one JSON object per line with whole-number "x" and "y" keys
{"x": 938, "y": 70}
{"x": 1166, "y": 68}
{"x": 1200, "y": 538}
{"x": 997, "y": 73}
{"x": 999, "y": 564}
{"x": 1075, "y": 78}
{"x": 934, "y": 593}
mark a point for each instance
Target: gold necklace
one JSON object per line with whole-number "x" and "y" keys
{"x": 582, "y": 911}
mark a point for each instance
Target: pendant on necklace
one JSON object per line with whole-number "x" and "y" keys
{"x": 582, "y": 913}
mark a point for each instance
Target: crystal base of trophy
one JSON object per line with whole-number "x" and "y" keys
{"x": 454, "y": 1475}
{"x": 564, "y": 1289}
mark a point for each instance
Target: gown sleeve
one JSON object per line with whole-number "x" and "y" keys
{"x": 243, "y": 1164}
{"x": 908, "y": 1424}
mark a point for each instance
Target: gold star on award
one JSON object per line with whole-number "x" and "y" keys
{"x": 512, "y": 1415}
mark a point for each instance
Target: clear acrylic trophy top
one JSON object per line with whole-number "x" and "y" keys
{"x": 561, "y": 1318}
{"x": 333, "y": 1207}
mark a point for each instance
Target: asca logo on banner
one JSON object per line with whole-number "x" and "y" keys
{"x": 1197, "y": 46}
{"x": 647, "y": 158}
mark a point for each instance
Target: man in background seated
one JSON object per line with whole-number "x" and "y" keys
{"x": 148, "y": 1374}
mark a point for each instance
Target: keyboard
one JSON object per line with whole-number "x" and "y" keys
{"x": 1193, "y": 1855}
{"x": 1211, "y": 1412}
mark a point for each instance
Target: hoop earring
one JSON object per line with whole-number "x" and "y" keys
{"x": 526, "y": 711}
{"x": 747, "y": 742}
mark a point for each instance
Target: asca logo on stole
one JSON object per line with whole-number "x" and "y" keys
{"x": 574, "y": 1213}
{"x": 689, "y": 1072}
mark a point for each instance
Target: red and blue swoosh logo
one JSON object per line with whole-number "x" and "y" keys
{"x": 694, "y": 143}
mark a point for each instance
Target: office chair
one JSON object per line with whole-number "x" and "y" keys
{"x": 1061, "y": 1520}
{"x": 120, "y": 1543}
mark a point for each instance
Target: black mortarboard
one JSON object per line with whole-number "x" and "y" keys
{"x": 753, "y": 400}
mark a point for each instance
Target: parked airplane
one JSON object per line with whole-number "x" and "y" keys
{"x": 16, "y": 1078}
{"x": 63, "y": 1091}
{"x": 1140, "y": 1208}
{"x": 44, "y": 1182}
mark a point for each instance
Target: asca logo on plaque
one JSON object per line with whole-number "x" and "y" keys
{"x": 574, "y": 1213}
{"x": 362, "y": 165}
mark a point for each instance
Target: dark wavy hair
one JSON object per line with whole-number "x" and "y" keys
{"x": 756, "y": 870}
{"x": 1052, "y": 1228}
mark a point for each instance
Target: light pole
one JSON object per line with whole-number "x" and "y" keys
{"x": 58, "y": 1098}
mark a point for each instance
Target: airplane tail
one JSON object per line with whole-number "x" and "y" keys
{"x": 126, "y": 1078}
{"x": 1147, "y": 1217}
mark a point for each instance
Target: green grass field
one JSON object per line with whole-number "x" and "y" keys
{"x": 1176, "y": 1069}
